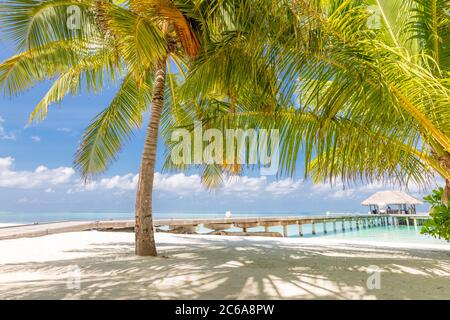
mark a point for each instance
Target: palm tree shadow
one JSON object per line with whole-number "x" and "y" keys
{"x": 234, "y": 268}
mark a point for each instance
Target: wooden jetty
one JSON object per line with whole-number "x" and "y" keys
{"x": 220, "y": 226}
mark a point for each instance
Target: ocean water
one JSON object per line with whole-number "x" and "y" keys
{"x": 43, "y": 217}
{"x": 403, "y": 234}
{"x": 399, "y": 234}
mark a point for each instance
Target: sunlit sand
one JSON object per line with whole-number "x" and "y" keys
{"x": 217, "y": 267}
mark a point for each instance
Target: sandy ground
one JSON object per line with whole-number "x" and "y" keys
{"x": 101, "y": 265}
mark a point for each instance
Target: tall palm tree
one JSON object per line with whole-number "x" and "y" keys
{"x": 363, "y": 103}
{"x": 128, "y": 41}
{"x": 133, "y": 44}
{"x": 392, "y": 77}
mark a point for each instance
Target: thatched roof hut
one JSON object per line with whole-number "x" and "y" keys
{"x": 378, "y": 201}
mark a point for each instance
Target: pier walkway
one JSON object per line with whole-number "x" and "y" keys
{"x": 330, "y": 223}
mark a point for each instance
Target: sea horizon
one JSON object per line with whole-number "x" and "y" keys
{"x": 44, "y": 217}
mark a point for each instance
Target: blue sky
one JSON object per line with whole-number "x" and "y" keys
{"x": 36, "y": 173}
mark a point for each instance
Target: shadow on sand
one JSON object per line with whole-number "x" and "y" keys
{"x": 235, "y": 268}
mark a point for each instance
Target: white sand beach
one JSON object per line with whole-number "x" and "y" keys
{"x": 102, "y": 265}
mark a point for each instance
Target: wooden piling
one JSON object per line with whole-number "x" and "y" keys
{"x": 300, "y": 230}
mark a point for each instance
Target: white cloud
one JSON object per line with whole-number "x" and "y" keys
{"x": 244, "y": 184}
{"x": 178, "y": 183}
{"x": 182, "y": 185}
{"x": 284, "y": 187}
{"x": 36, "y": 138}
{"x": 41, "y": 176}
{"x": 5, "y": 135}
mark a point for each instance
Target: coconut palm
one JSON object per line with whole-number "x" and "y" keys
{"x": 391, "y": 82}
{"x": 133, "y": 44}
{"x": 127, "y": 41}
{"x": 364, "y": 102}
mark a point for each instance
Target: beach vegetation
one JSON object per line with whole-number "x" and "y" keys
{"x": 439, "y": 224}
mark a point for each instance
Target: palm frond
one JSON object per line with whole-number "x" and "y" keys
{"x": 110, "y": 129}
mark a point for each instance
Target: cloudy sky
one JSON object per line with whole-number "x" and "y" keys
{"x": 36, "y": 173}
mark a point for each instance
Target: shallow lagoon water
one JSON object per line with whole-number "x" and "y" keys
{"x": 403, "y": 234}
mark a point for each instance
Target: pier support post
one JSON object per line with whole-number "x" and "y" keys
{"x": 350, "y": 222}
{"x": 357, "y": 223}
{"x": 407, "y": 221}
{"x": 324, "y": 227}
{"x": 285, "y": 231}
{"x": 334, "y": 226}
{"x": 300, "y": 230}
{"x": 343, "y": 225}
{"x": 313, "y": 228}
{"x": 415, "y": 223}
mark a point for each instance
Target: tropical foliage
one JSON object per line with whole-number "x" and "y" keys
{"x": 439, "y": 225}
{"x": 360, "y": 100}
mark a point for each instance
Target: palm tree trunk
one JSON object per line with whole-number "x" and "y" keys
{"x": 445, "y": 163}
{"x": 145, "y": 240}
{"x": 446, "y": 194}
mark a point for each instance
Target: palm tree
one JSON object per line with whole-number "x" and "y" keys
{"x": 131, "y": 41}
{"x": 389, "y": 81}
{"x": 134, "y": 43}
{"x": 362, "y": 103}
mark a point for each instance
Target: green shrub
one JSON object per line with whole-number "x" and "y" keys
{"x": 439, "y": 224}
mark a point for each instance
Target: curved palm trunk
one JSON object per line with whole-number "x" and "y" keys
{"x": 445, "y": 163}
{"x": 446, "y": 194}
{"x": 145, "y": 240}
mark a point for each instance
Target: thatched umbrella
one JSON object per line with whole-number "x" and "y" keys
{"x": 382, "y": 199}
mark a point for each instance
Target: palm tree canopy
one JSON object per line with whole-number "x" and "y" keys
{"x": 316, "y": 70}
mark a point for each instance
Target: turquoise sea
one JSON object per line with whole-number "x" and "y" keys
{"x": 390, "y": 233}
